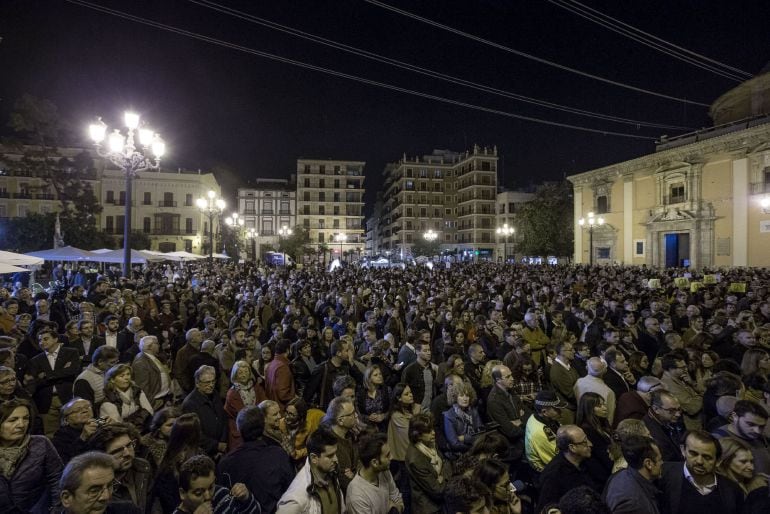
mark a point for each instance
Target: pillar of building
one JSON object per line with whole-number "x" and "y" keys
{"x": 578, "y": 203}
{"x": 740, "y": 248}
{"x": 628, "y": 219}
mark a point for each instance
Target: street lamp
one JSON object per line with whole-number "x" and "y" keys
{"x": 284, "y": 231}
{"x": 121, "y": 151}
{"x": 506, "y": 232}
{"x": 211, "y": 206}
{"x": 430, "y": 235}
{"x": 591, "y": 221}
{"x": 252, "y": 234}
{"x": 236, "y": 223}
{"x": 341, "y": 238}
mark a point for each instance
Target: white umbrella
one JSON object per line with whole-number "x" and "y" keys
{"x": 66, "y": 253}
{"x": 116, "y": 256}
{"x": 220, "y": 256}
{"x": 9, "y": 268}
{"x": 19, "y": 259}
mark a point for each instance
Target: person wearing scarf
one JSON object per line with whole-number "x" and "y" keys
{"x": 428, "y": 471}
{"x": 244, "y": 392}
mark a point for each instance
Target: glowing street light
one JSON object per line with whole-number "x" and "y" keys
{"x": 341, "y": 238}
{"x": 211, "y": 206}
{"x": 284, "y": 232}
{"x": 122, "y": 152}
{"x": 591, "y": 221}
{"x": 252, "y": 234}
{"x": 506, "y": 232}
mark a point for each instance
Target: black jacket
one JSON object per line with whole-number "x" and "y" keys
{"x": 727, "y": 498}
{"x": 66, "y": 368}
{"x": 264, "y": 469}
{"x": 669, "y": 439}
{"x": 560, "y": 476}
{"x": 212, "y": 416}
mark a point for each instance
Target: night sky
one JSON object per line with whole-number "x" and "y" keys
{"x": 219, "y": 107}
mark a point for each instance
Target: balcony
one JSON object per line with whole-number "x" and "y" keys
{"x": 167, "y": 231}
{"x": 5, "y": 194}
{"x": 267, "y": 212}
{"x": 250, "y": 212}
{"x": 166, "y": 203}
{"x": 23, "y": 196}
{"x": 284, "y": 212}
{"x": 758, "y": 188}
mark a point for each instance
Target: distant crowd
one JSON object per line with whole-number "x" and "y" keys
{"x": 479, "y": 388}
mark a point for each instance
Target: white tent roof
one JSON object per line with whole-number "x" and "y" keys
{"x": 19, "y": 259}
{"x": 66, "y": 253}
{"x": 220, "y": 256}
{"x": 116, "y": 256}
{"x": 101, "y": 250}
{"x": 9, "y": 268}
{"x": 185, "y": 255}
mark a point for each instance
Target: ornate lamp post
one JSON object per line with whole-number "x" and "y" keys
{"x": 252, "y": 234}
{"x": 283, "y": 232}
{"x": 236, "y": 223}
{"x": 506, "y": 232}
{"x": 211, "y": 206}
{"x": 590, "y": 221}
{"x": 341, "y": 238}
{"x": 430, "y": 235}
{"x": 122, "y": 152}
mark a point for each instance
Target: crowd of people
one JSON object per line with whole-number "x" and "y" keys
{"x": 476, "y": 388}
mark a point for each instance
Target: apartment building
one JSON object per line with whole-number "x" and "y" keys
{"x": 451, "y": 193}
{"x": 330, "y": 203}
{"x": 266, "y": 206}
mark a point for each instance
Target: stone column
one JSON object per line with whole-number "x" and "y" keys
{"x": 628, "y": 219}
{"x": 740, "y": 212}
{"x": 578, "y": 212}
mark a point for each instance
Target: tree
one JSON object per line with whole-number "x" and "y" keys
{"x": 41, "y": 133}
{"x": 423, "y": 247}
{"x": 323, "y": 249}
{"x": 296, "y": 244}
{"x": 544, "y": 224}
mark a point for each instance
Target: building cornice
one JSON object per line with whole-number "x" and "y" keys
{"x": 737, "y": 143}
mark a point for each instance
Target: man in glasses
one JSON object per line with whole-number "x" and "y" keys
{"x": 677, "y": 381}
{"x": 664, "y": 420}
{"x": 86, "y": 486}
{"x": 132, "y": 474}
{"x": 566, "y": 471}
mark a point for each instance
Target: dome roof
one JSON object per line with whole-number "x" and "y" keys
{"x": 747, "y": 100}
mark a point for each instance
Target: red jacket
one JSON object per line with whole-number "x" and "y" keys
{"x": 279, "y": 381}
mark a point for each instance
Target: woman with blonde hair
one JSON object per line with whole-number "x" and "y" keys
{"x": 737, "y": 464}
{"x": 244, "y": 392}
{"x": 123, "y": 399}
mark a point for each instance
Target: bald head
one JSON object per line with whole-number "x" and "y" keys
{"x": 595, "y": 367}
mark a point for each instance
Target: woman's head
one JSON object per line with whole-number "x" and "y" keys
{"x": 373, "y": 377}
{"x": 266, "y": 354}
{"x": 163, "y": 421}
{"x": 241, "y": 373}
{"x": 296, "y": 412}
{"x": 638, "y": 361}
{"x": 462, "y": 395}
{"x": 401, "y": 396}
{"x": 494, "y": 474}
{"x": 591, "y": 410}
{"x": 755, "y": 361}
{"x": 185, "y": 435}
{"x": 737, "y": 460}
{"x": 7, "y": 382}
{"x": 14, "y": 421}
{"x": 118, "y": 377}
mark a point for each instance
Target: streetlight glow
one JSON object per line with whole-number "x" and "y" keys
{"x": 591, "y": 220}
{"x": 211, "y": 206}
{"x": 121, "y": 151}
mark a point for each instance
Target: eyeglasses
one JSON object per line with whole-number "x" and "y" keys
{"x": 580, "y": 443}
{"x": 671, "y": 410}
{"x": 96, "y": 491}
{"x": 353, "y": 413}
{"x": 8, "y": 381}
{"x": 119, "y": 451}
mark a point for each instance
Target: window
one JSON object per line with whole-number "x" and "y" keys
{"x": 320, "y": 237}
{"x": 409, "y": 212}
{"x": 336, "y": 210}
{"x": 322, "y": 223}
{"x": 267, "y": 227}
{"x": 486, "y": 166}
{"x": 305, "y": 210}
{"x": 122, "y": 197}
{"x": 306, "y": 223}
{"x": 307, "y": 182}
{"x": 188, "y": 203}
{"x": 321, "y": 196}
{"x": 307, "y": 168}
{"x": 147, "y": 225}
{"x": 423, "y": 173}
{"x": 336, "y": 183}
{"x": 267, "y": 207}
{"x": 423, "y": 212}
{"x": 335, "y": 223}
{"x": 436, "y": 173}
{"x": 120, "y": 222}
{"x": 109, "y": 225}
{"x": 322, "y": 170}
{"x": 321, "y": 210}
{"x": 639, "y": 248}
{"x": 110, "y": 197}
{"x": 250, "y": 207}
{"x": 147, "y": 198}
{"x": 602, "y": 204}
{"x": 188, "y": 225}
{"x": 322, "y": 183}
{"x": 337, "y": 197}
{"x": 603, "y": 253}
{"x": 306, "y": 196}
{"x": 168, "y": 200}
{"x": 677, "y": 193}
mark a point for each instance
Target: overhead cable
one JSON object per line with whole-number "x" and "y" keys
{"x": 530, "y": 56}
{"x": 335, "y": 73}
{"x": 652, "y": 41}
{"x": 425, "y": 71}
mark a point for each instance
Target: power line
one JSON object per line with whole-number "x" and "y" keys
{"x": 425, "y": 71}
{"x": 651, "y": 41}
{"x": 335, "y": 73}
{"x": 530, "y": 56}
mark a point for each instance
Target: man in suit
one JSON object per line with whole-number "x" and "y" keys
{"x": 87, "y": 343}
{"x": 503, "y": 408}
{"x": 50, "y": 376}
{"x": 150, "y": 374}
{"x": 127, "y": 343}
{"x": 618, "y": 377}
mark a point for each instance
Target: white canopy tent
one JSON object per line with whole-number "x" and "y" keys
{"x": 222, "y": 256}
{"x": 185, "y": 256}
{"x": 116, "y": 256}
{"x": 19, "y": 259}
{"x": 9, "y": 268}
{"x": 66, "y": 253}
